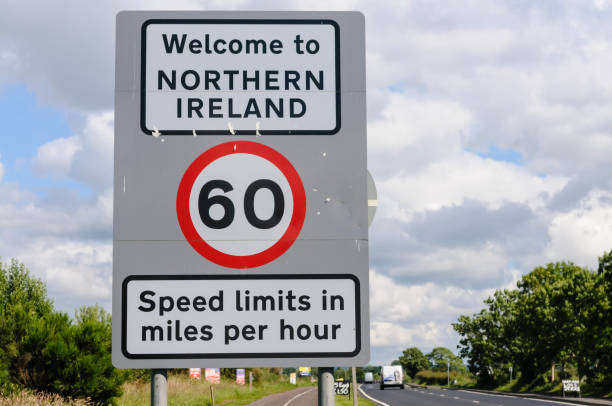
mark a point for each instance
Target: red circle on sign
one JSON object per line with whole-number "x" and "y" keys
{"x": 241, "y": 261}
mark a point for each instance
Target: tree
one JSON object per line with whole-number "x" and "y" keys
{"x": 23, "y": 303}
{"x": 488, "y": 340}
{"x": 440, "y": 356}
{"x": 73, "y": 359}
{"x": 45, "y": 350}
{"x": 597, "y": 354}
{"x": 413, "y": 361}
{"x": 552, "y": 316}
{"x": 557, "y": 314}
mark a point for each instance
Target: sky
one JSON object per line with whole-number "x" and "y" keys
{"x": 489, "y": 138}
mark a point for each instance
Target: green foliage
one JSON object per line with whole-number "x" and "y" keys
{"x": 440, "y": 357}
{"x": 597, "y": 357}
{"x": 23, "y": 303}
{"x": 44, "y": 350}
{"x": 413, "y": 361}
{"x": 229, "y": 374}
{"x": 263, "y": 374}
{"x": 487, "y": 339}
{"x": 340, "y": 373}
{"x": 559, "y": 314}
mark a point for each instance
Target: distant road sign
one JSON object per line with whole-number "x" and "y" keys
{"x": 195, "y": 373}
{"x": 240, "y": 376}
{"x": 342, "y": 388}
{"x": 240, "y": 234}
{"x": 213, "y": 375}
{"x": 571, "y": 385}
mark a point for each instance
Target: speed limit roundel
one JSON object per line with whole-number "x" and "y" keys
{"x": 241, "y": 204}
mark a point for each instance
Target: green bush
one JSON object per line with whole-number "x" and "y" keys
{"x": 429, "y": 377}
{"x": 45, "y": 350}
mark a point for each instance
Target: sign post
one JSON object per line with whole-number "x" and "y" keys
{"x": 240, "y": 233}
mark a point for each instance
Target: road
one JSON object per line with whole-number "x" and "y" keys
{"x": 443, "y": 397}
{"x": 305, "y": 396}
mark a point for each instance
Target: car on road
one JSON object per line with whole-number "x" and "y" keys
{"x": 391, "y": 375}
{"x": 369, "y": 377}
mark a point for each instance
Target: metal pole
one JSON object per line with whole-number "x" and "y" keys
{"x": 448, "y": 374}
{"x": 552, "y": 372}
{"x": 326, "y": 393}
{"x": 159, "y": 387}
{"x": 250, "y": 381}
{"x": 510, "y": 374}
{"x": 354, "y": 373}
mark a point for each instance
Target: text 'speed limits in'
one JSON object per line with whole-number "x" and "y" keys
{"x": 279, "y": 76}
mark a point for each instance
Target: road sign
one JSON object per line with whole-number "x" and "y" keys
{"x": 342, "y": 388}
{"x": 215, "y": 238}
{"x": 240, "y": 376}
{"x": 240, "y": 224}
{"x": 213, "y": 375}
{"x": 195, "y": 373}
{"x": 571, "y": 385}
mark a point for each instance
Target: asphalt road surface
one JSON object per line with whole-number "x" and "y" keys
{"x": 305, "y": 396}
{"x": 443, "y": 397}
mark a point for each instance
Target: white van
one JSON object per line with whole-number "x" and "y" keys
{"x": 369, "y": 378}
{"x": 391, "y": 375}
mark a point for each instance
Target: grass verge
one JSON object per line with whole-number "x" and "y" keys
{"x": 26, "y": 398}
{"x": 183, "y": 391}
{"x": 345, "y": 401}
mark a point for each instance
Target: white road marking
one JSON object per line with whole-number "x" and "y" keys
{"x": 511, "y": 396}
{"x": 297, "y": 396}
{"x": 371, "y": 398}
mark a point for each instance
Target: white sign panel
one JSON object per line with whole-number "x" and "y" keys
{"x": 205, "y": 77}
{"x": 234, "y": 317}
{"x": 571, "y": 386}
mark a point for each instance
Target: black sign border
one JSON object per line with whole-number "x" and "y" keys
{"x": 143, "y": 70}
{"x": 130, "y": 278}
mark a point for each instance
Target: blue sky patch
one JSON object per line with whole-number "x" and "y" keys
{"x": 26, "y": 125}
{"x": 505, "y": 155}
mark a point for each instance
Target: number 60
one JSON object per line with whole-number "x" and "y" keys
{"x": 205, "y": 202}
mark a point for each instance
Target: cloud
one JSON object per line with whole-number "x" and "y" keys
{"x": 93, "y": 164}
{"x": 86, "y": 158}
{"x": 513, "y": 226}
{"x": 67, "y": 243}
{"x": 64, "y": 238}
{"x": 55, "y": 158}
{"x": 418, "y": 315}
{"x": 583, "y": 234}
{"x": 66, "y": 54}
